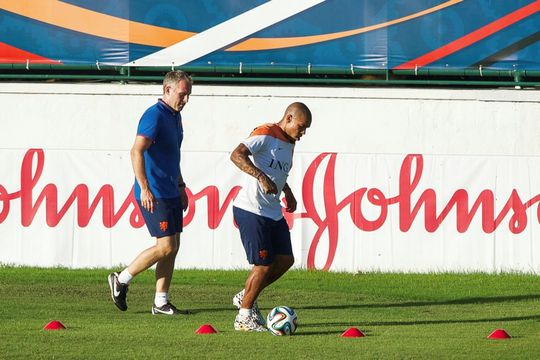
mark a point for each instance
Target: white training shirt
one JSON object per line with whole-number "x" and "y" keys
{"x": 272, "y": 154}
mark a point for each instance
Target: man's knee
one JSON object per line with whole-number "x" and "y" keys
{"x": 164, "y": 250}
{"x": 285, "y": 261}
{"x": 261, "y": 269}
{"x": 166, "y": 247}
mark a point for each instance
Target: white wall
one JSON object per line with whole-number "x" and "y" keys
{"x": 474, "y": 140}
{"x": 360, "y": 120}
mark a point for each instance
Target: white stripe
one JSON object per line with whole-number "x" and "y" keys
{"x": 226, "y": 33}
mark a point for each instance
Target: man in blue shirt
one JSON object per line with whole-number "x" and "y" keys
{"x": 160, "y": 192}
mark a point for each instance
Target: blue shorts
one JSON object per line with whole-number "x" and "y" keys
{"x": 262, "y": 237}
{"x": 167, "y": 218}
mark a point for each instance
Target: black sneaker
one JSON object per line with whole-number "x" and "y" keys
{"x": 168, "y": 309}
{"x": 118, "y": 291}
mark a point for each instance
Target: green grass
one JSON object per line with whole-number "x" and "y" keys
{"x": 404, "y": 316}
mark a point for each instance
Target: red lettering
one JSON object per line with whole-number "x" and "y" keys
{"x": 5, "y": 200}
{"x": 49, "y": 195}
{"x": 330, "y": 222}
{"x": 322, "y": 210}
{"x": 215, "y": 212}
{"x": 408, "y": 182}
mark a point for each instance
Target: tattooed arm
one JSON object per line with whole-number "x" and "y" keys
{"x": 240, "y": 157}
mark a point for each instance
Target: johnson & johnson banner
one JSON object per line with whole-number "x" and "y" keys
{"x": 386, "y": 179}
{"x": 356, "y": 212}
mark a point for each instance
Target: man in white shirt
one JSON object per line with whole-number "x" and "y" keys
{"x": 257, "y": 209}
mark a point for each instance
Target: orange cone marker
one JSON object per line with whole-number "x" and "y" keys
{"x": 54, "y": 325}
{"x": 499, "y": 334}
{"x": 352, "y": 332}
{"x": 206, "y": 329}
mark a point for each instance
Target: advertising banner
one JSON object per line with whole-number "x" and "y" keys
{"x": 356, "y": 212}
{"x": 347, "y": 34}
{"x": 420, "y": 180}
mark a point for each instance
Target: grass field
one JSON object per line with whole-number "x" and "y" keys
{"x": 404, "y": 316}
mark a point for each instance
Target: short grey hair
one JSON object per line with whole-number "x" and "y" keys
{"x": 173, "y": 77}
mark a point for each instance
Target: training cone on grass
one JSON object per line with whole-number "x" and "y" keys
{"x": 54, "y": 325}
{"x": 206, "y": 329}
{"x": 499, "y": 334}
{"x": 352, "y": 332}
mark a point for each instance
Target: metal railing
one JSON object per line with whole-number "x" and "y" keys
{"x": 309, "y": 74}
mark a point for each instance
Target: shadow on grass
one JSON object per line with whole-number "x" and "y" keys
{"x": 191, "y": 312}
{"x": 463, "y": 301}
{"x": 311, "y": 333}
{"x": 302, "y": 332}
{"x": 421, "y": 322}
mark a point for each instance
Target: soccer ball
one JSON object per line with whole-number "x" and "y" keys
{"x": 282, "y": 320}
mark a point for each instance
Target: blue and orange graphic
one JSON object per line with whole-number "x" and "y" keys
{"x": 385, "y": 34}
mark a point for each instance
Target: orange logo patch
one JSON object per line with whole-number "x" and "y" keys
{"x": 163, "y": 225}
{"x": 263, "y": 254}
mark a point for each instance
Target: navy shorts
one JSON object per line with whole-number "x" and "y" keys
{"x": 262, "y": 237}
{"x": 167, "y": 218}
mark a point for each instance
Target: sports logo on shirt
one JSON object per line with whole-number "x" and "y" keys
{"x": 163, "y": 225}
{"x": 263, "y": 254}
{"x": 280, "y": 165}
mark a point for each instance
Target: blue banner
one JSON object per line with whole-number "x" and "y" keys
{"x": 365, "y": 34}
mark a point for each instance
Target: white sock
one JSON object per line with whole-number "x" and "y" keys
{"x": 161, "y": 298}
{"x": 244, "y": 312}
{"x": 125, "y": 277}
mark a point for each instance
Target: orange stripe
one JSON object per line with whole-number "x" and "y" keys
{"x": 278, "y": 43}
{"x": 72, "y": 17}
{"x": 75, "y": 18}
{"x": 270, "y": 130}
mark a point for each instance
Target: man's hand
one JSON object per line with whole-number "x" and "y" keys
{"x": 290, "y": 200}
{"x": 183, "y": 197}
{"x": 137, "y": 160}
{"x": 147, "y": 200}
{"x": 268, "y": 186}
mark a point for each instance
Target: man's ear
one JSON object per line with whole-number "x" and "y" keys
{"x": 289, "y": 118}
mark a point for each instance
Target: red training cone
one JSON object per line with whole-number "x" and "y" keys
{"x": 499, "y": 334}
{"x": 206, "y": 329}
{"x": 54, "y": 325}
{"x": 352, "y": 332}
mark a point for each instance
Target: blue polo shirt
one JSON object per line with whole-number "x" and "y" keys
{"x": 163, "y": 125}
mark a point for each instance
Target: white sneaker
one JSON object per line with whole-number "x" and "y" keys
{"x": 248, "y": 323}
{"x": 237, "y": 299}
{"x": 256, "y": 312}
